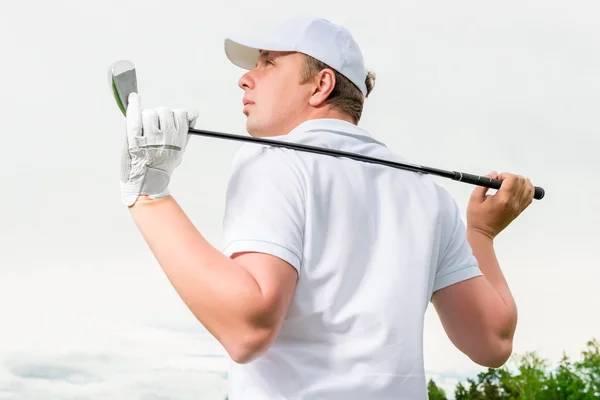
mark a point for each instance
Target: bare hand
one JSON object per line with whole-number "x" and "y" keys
{"x": 490, "y": 214}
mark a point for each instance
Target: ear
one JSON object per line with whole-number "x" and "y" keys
{"x": 325, "y": 82}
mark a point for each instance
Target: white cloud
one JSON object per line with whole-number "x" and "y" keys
{"x": 115, "y": 361}
{"x": 77, "y": 342}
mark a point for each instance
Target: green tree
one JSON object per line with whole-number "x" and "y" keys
{"x": 435, "y": 392}
{"x": 532, "y": 379}
{"x": 474, "y": 392}
{"x": 589, "y": 368}
{"x": 492, "y": 384}
{"x": 565, "y": 383}
{"x": 461, "y": 392}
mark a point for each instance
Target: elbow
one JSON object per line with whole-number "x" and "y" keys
{"x": 495, "y": 355}
{"x": 499, "y": 347}
{"x": 244, "y": 353}
{"x": 247, "y": 348}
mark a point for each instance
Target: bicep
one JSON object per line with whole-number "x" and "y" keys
{"x": 462, "y": 307}
{"x": 277, "y": 281}
{"x": 472, "y": 314}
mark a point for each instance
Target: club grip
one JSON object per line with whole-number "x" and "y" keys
{"x": 491, "y": 183}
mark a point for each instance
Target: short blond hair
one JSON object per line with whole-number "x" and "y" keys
{"x": 345, "y": 96}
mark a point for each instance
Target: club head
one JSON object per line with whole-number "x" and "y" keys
{"x": 123, "y": 81}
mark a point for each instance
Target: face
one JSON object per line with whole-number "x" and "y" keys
{"x": 274, "y": 100}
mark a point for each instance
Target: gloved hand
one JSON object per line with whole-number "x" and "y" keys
{"x": 154, "y": 147}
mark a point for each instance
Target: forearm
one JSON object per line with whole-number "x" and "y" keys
{"x": 483, "y": 250}
{"x": 224, "y": 297}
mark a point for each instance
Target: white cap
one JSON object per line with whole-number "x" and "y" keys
{"x": 316, "y": 37}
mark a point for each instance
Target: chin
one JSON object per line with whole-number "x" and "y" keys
{"x": 260, "y": 128}
{"x": 252, "y": 129}
{"x": 249, "y": 128}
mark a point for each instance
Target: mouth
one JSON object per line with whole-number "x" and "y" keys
{"x": 245, "y": 109}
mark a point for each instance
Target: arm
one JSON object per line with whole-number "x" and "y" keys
{"x": 241, "y": 297}
{"x": 240, "y": 301}
{"x": 479, "y": 314}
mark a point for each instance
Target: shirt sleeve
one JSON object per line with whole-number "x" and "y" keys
{"x": 264, "y": 210}
{"x": 457, "y": 262}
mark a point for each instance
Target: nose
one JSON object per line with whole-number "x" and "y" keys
{"x": 246, "y": 81}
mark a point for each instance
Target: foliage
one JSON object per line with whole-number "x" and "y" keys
{"x": 532, "y": 378}
{"x": 435, "y": 392}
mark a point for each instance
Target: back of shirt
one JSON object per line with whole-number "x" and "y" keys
{"x": 370, "y": 243}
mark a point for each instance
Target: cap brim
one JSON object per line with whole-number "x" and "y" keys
{"x": 245, "y": 53}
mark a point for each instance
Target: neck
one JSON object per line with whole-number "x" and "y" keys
{"x": 318, "y": 113}
{"x": 312, "y": 114}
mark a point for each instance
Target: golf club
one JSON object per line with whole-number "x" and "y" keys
{"x": 123, "y": 81}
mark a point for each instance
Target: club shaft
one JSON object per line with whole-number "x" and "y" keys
{"x": 454, "y": 175}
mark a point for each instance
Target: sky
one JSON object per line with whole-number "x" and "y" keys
{"x": 465, "y": 85}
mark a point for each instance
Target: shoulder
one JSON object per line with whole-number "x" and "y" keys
{"x": 452, "y": 224}
{"x": 447, "y": 201}
{"x": 260, "y": 165}
{"x": 260, "y": 156}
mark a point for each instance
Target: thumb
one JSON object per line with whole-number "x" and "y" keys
{"x": 133, "y": 116}
{"x": 480, "y": 192}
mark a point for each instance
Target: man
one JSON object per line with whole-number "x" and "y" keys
{"x": 329, "y": 264}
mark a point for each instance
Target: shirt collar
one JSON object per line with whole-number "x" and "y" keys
{"x": 322, "y": 129}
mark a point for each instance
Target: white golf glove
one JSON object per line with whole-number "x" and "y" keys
{"x": 154, "y": 147}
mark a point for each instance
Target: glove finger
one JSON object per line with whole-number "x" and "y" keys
{"x": 192, "y": 117}
{"x": 181, "y": 121}
{"x": 165, "y": 120}
{"x": 133, "y": 116}
{"x": 184, "y": 120}
{"x": 150, "y": 121}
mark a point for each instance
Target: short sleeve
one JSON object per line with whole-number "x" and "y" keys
{"x": 457, "y": 262}
{"x": 264, "y": 210}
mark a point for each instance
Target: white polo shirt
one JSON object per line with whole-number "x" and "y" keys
{"x": 371, "y": 243}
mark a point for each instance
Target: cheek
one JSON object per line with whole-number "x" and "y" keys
{"x": 278, "y": 97}
{"x": 279, "y": 92}
{"x": 281, "y": 96}
{"x": 290, "y": 93}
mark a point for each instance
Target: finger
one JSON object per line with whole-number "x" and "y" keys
{"x": 181, "y": 120}
{"x": 182, "y": 127}
{"x": 166, "y": 122}
{"x": 192, "y": 117}
{"x": 528, "y": 192}
{"x": 520, "y": 187}
{"x": 480, "y": 192}
{"x": 150, "y": 121}
{"x": 185, "y": 119}
{"x": 133, "y": 116}
{"x": 507, "y": 187}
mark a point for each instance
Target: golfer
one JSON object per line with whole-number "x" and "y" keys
{"x": 329, "y": 264}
